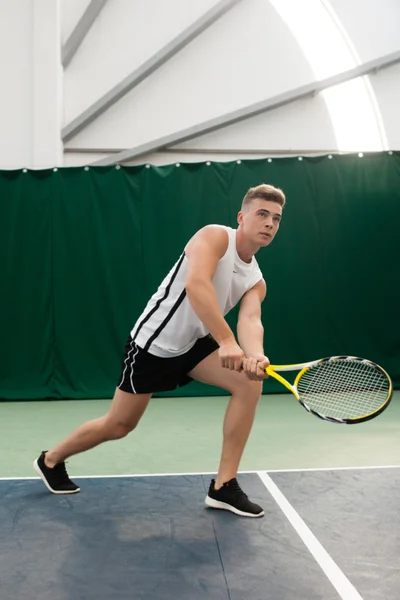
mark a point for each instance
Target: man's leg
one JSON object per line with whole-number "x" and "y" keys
{"x": 239, "y": 416}
{"x": 124, "y": 414}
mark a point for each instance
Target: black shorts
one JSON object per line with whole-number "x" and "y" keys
{"x": 144, "y": 373}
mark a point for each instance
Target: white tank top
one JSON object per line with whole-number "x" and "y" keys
{"x": 168, "y": 325}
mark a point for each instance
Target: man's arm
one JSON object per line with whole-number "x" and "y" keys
{"x": 203, "y": 253}
{"x": 251, "y": 331}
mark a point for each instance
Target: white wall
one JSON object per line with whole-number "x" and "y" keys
{"x": 16, "y": 42}
{"x": 247, "y": 56}
{"x": 386, "y": 85}
{"x": 31, "y": 84}
{"x": 372, "y": 25}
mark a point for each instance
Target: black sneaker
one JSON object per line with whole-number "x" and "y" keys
{"x": 231, "y": 497}
{"x": 55, "y": 479}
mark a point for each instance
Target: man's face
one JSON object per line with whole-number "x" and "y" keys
{"x": 260, "y": 221}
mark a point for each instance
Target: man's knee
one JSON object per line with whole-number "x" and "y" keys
{"x": 125, "y": 413}
{"x": 250, "y": 390}
{"x": 117, "y": 431}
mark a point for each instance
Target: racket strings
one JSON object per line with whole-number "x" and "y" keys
{"x": 344, "y": 389}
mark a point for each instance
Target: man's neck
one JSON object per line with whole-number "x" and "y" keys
{"x": 245, "y": 249}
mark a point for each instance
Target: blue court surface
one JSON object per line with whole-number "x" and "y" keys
{"x": 326, "y": 534}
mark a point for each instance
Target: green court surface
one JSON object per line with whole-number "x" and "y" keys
{"x": 183, "y": 435}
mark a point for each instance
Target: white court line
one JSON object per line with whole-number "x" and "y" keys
{"x": 331, "y": 469}
{"x": 213, "y": 473}
{"x": 338, "y": 579}
{"x": 130, "y": 475}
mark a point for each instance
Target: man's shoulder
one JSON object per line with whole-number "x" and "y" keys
{"x": 216, "y": 226}
{"x": 213, "y": 231}
{"x": 211, "y": 237}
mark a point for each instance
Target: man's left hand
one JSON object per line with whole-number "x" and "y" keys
{"x": 254, "y": 366}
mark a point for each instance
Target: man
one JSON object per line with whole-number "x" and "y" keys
{"x": 182, "y": 335}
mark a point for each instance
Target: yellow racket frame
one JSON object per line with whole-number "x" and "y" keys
{"x": 270, "y": 370}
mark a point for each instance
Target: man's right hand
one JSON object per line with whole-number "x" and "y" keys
{"x": 231, "y": 355}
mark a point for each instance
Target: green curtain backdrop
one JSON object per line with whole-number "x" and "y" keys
{"x": 82, "y": 249}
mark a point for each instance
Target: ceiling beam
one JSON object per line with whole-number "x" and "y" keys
{"x": 81, "y": 29}
{"x": 267, "y": 152}
{"x": 250, "y": 111}
{"x": 147, "y": 68}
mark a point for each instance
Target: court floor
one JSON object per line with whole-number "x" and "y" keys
{"x": 325, "y": 535}
{"x": 140, "y": 529}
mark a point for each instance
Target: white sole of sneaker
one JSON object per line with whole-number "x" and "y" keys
{"x": 43, "y": 478}
{"x": 224, "y": 506}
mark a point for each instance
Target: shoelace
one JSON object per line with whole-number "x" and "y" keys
{"x": 61, "y": 473}
{"x": 235, "y": 489}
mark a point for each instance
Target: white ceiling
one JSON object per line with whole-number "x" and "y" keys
{"x": 254, "y": 52}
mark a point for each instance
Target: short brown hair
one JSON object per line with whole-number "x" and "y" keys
{"x": 265, "y": 192}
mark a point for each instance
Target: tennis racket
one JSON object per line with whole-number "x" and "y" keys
{"x": 340, "y": 389}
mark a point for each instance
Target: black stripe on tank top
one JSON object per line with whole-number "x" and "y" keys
{"x": 158, "y": 303}
{"x": 166, "y": 320}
